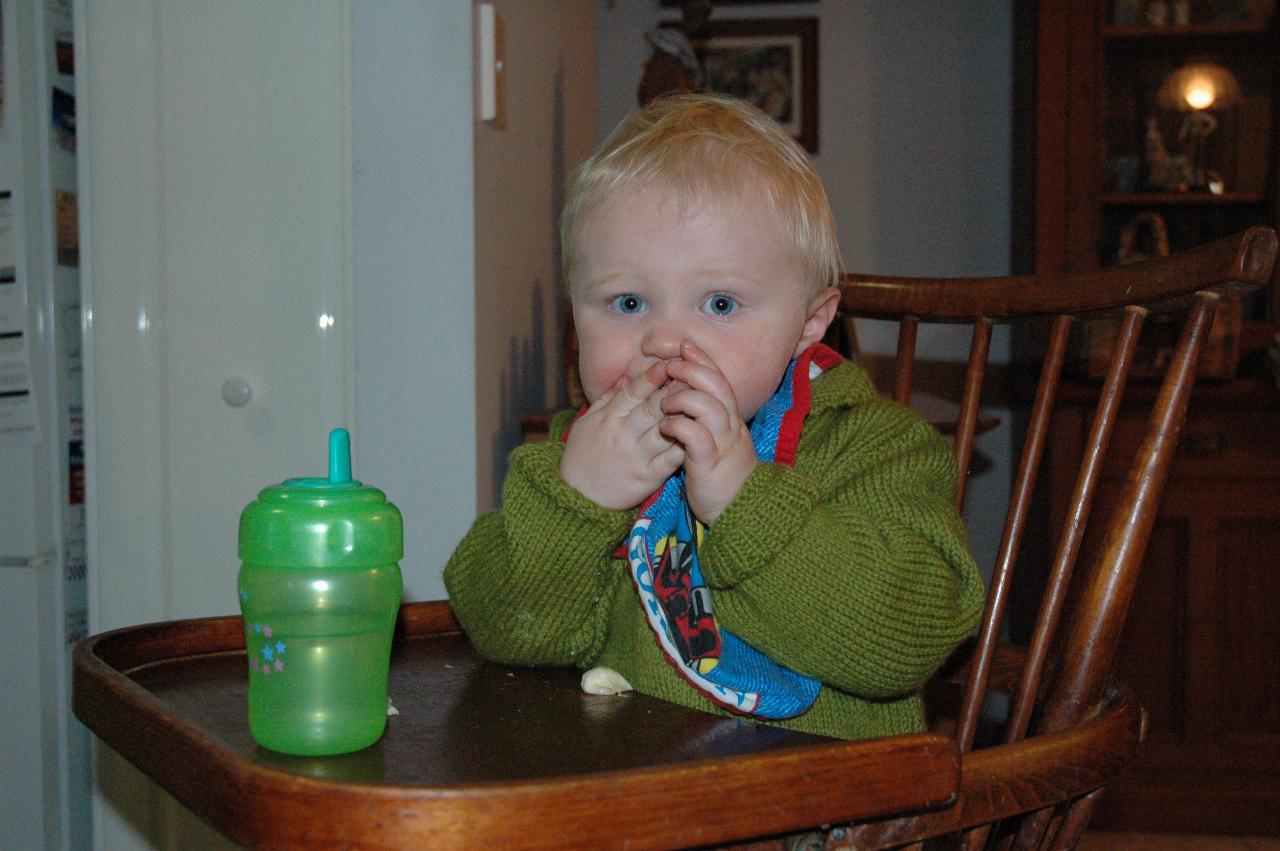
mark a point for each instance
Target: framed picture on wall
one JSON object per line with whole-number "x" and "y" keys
{"x": 770, "y": 62}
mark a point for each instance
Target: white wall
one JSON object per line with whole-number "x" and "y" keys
{"x": 459, "y": 314}
{"x": 523, "y": 162}
{"x": 915, "y": 132}
{"x": 414, "y": 271}
{"x": 915, "y": 121}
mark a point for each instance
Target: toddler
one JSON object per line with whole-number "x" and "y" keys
{"x": 735, "y": 522}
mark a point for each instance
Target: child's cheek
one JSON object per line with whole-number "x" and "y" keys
{"x": 599, "y": 374}
{"x": 593, "y": 383}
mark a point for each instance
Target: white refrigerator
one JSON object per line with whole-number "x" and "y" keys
{"x": 44, "y": 751}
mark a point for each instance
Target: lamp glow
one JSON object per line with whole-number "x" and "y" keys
{"x": 1197, "y": 86}
{"x": 1200, "y": 93}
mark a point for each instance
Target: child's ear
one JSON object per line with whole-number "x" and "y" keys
{"x": 822, "y": 309}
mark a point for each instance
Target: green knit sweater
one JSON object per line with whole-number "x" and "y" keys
{"x": 852, "y": 567}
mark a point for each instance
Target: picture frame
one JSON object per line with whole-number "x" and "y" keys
{"x": 770, "y": 62}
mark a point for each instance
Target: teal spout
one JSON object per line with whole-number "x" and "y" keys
{"x": 339, "y": 456}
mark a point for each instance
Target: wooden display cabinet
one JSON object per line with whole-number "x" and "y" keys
{"x": 1106, "y": 95}
{"x": 1203, "y": 645}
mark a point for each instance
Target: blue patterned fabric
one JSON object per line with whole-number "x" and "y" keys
{"x": 663, "y": 553}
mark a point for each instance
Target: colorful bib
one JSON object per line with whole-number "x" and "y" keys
{"x": 662, "y": 550}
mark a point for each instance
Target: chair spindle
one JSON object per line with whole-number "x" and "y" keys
{"x": 1113, "y": 577}
{"x": 1075, "y": 821}
{"x": 1015, "y": 523}
{"x": 1093, "y": 639}
{"x": 966, "y": 425}
{"x": 1074, "y": 527}
{"x": 905, "y": 359}
{"x": 1002, "y": 576}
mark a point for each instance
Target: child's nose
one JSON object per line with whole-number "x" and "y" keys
{"x": 662, "y": 340}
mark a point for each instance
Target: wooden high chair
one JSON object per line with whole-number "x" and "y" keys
{"x": 1037, "y": 788}
{"x": 486, "y": 756}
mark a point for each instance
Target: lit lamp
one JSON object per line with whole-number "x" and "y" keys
{"x": 1195, "y": 89}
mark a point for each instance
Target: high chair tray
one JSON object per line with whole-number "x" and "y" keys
{"x": 480, "y": 754}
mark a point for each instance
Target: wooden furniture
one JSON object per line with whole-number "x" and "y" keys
{"x": 481, "y": 755}
{"x": 1202, "y": 647}
{"x": 1094, "y": 73}
{"x": 1098, "y": 76}
{"x": 486, "y": 756}
{"x": 1063, "y": 681}
{"x": 1124, "y": 166}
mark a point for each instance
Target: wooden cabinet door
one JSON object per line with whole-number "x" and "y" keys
{"x": 1202, "y": 650}
{"x": 1202, "y": 644}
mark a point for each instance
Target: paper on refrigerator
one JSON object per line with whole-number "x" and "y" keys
{"x": 17, "y": 408}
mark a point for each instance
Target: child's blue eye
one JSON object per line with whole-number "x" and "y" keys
{"x": 721, "y": 304}
{"x": 628, "y": 303}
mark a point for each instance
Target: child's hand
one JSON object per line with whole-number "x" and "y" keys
{"x": 616, "y": 455}
{"x": 718, "y": 452}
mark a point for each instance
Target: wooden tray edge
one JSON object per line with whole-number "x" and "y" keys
{"x": 823, "y": 783}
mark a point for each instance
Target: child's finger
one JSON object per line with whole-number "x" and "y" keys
{"x": 709, "y": 399}
{"x": 698, "y": 444}
{"x": 650, "y": 411}
{"x": 669, "y": 460}
{"x": 604, "y": 398}
{"x": 638, "y": 409}
{"x": 651, "y": 442}
{"x": 639, "y": 389}
{"x": 706, "y": 378}
{"x": 697, "y": 405}
{"x": 692, "y": 351}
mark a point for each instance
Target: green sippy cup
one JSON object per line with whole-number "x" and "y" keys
{"x": 319, "y": 589}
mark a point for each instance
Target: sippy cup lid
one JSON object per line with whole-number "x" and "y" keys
{"x": 322, "y": 522}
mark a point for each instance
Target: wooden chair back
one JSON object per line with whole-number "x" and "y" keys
{"x": 1063, "y": 679}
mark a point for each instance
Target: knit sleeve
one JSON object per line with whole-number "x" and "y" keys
{"x": 527, "y": 582}
{"x": 854, "y": 566}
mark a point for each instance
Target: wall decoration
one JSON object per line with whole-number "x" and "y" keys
{"x": 770, "y": 62}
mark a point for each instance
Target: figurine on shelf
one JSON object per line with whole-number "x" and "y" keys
{"x": 1165, "y": 172}
{"x": 673, "y": 66}
{"x": 1197, "y": 127}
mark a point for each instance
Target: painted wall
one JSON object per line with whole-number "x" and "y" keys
{"x": 414, "y": 263}
{"x": 445, "y": 369}
{"x": 545, "y": 127}
{"x": 915, "y": 135}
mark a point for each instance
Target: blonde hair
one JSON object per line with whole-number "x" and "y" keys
{"x": 711, "y": 146}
